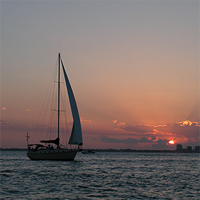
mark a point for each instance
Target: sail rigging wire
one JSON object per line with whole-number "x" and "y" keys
{"x": 40, "y": 124}
{"x": 48, "y": 111}
{"x": 52, "y": 116}
{"x": 65, "y": 123}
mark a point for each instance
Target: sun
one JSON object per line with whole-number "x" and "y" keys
{"x": 171, "y": 142}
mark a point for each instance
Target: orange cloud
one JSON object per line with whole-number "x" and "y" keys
{"x": 86, "y": 120}
{"x": 3, "y": 108}
{"x": 187, "y": 123}
{"x": 28, "y": 110}
{"x": 118, "y": 123}
{"x": 183, "y": 132}
{"x": 114, "y": 121}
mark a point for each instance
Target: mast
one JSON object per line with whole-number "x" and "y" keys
{"x": 58, "y": 96}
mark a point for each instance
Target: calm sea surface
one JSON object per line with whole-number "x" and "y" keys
{"x": 103, "y": 175}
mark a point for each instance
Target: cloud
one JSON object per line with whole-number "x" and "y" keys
{"x": 140, "y": 128}
{"x": 185, "y": 128}
{"x": 86, "y": 120}
{"x": 119, "y": 123}
{"x": 186, "y": 132}
{"x": 4, "y": 122}
{"x": 144, "y": 142}
{"x": 153, "y": 138}
{"x": 125, "y": 141}
{"x": 187, "y": 122}
{"x": 28, "y": 110}
{"x": 3, "y": 108}
{"x": 160, "y": 144}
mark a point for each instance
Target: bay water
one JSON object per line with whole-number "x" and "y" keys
{"x": 103, "y": 175}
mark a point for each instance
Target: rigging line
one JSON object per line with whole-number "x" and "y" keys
{"x": 52, "y": 127}
{"x": 48, "y": 106}
{"x": 51, "y": 116}
{"x": 43, "y": 106}
{"x": 65, "y": 127}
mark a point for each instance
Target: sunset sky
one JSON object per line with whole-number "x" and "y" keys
{"x": 133, "y": 66}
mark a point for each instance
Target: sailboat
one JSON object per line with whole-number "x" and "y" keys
{"x": 46, "y": 151}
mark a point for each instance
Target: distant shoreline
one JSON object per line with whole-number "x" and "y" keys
{"x": 115, "y": 150}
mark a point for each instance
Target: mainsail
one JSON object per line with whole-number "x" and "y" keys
{"x": 76, "y": 135}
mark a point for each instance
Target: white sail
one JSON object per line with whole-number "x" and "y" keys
{"x": 76, "y": 135}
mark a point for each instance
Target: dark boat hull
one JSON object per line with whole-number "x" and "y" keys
{"x": 57, "y": 154}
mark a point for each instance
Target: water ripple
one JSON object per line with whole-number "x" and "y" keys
{"x": 101, "y": 176}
